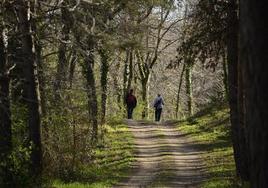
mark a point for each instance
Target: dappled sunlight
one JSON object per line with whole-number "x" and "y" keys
{"x": 164, "y": 157}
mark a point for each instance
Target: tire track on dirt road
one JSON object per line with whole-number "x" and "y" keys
{"x": 164, "y": 158}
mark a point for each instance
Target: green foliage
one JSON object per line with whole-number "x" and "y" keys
{"x": 211, "y": 129}
{"x": 16, "y": 165}
{"x": 68, "y": 138}
{"x": 137, "y": 113}
{"x": 204, "y": 32}
{"x": 109, "y": 162}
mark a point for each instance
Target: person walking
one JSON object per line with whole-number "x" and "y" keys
{"x": 131, "y": 103}
{"x": 158, "y": 105}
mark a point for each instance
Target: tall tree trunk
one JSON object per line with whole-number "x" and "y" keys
{"x": 5, "y": 114}
{"x": 179, "y": 92}
{"x": 188, "y": 85}
{"x": 144, "y": 97}
{"x": 117, "y": 88}
{"x": 225, "y": 75}
{"x": 25, "y": 12}
{"x": 125, "y": 76}
{"x": 42, "y": 83}
{"x": 91, "y": 90}
{"x": 232, "y": 58}
{"x": 104, "y": 80}
{"x": 72, "y": 69}
{"x": 130, "y": 70}
{"x": 62, "y": 67}
{"x": 243, "y": 143}
{"x": 145, "y": 74}
{"x": 254, "y": 58}
{"x": 147, "y": 104}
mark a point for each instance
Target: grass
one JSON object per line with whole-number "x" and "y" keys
{"x": 110, "y": 161}
{"x": 211, "y": 130}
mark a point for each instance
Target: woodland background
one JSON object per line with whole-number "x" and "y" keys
{"x": 66, "y": 66}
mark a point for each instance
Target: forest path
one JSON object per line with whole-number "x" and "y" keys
{"x": 164, "y": 158}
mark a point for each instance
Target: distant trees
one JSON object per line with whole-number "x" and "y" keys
{"x": 58, "y": 60}
{"x": 203, "y": 40}
{"x": 146, "y": 39}
{"x": 75, "y": 61}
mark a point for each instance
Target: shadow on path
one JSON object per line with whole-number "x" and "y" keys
{"x": 164, "y": 158}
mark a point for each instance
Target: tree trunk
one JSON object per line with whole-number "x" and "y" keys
{"x": 130, "y": 70}
{"x": 188, "y": 84}
{"x": 74, "y": 152}
{"x": 43, "y": 96}
{"x": 147, "y": 104}
{"x": 62, "y": 67}
{"x": 232, "y": 58}
{"x": 144, "y": 98}
{"x": 72, "y": 69}
{"x": 145, "y": 75}
{"x": 243, "y": 143}
{"x": 254, "y": 58}
{"x": 104, "y": 80}
{"x": 179, "y": 92}
{"x": 5, "y": 114}
{"x": 91, "y": 91}
{"x": 117, "y": 87}
{"x": 225, "y": 75}
{"x": 31, "y": 84}
{"x": 145, "y": 90}
{"x": 125, "y": 77}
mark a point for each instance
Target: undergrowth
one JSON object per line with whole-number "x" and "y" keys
{"x": 210, "y": 128}
{"x": 110, "y": 161}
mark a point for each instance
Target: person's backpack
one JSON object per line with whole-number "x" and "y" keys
{"x": 159, "y": 101}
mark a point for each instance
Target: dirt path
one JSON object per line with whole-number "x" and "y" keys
{"x": 165, "y": 158}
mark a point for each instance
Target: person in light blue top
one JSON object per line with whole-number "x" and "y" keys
{"x": 158, "y": 105}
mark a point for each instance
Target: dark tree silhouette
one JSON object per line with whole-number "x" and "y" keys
{"x": 25, "y": 11}
{"x": 254, "y": 59}
{"x": 5, "y": 114}
{"x": 238, "y": 136}
{"x": 104, "y": 80}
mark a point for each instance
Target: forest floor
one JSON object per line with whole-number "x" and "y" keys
{"x": 164, "y": 157}
{"x": 194, "y": 152}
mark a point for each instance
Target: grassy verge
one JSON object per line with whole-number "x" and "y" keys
{"x": 211, "y": 130}
{"x": 110, "y": 161}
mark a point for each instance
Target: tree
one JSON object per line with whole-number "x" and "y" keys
{"x": 63, "y": 61}
{"x": 253, "y": 55}
{"x": 5, "y": 114}
{"x": 238, "y": 137}
{"x": 104, "y": 80}
{"x": 153, "y": 45}
{"x": 188, "y": 85}
{"x": 212, "y": 29}
{"x": 91, "y": 87}
{"x": 26, "y": 10}
{"x": 179, "y": 92}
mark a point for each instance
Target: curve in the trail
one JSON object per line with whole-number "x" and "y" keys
{"x": 164, "y": 158}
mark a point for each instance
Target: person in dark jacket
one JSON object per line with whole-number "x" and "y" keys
{"x": 158, "y": 105}
{"x": 131, "y": 103}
